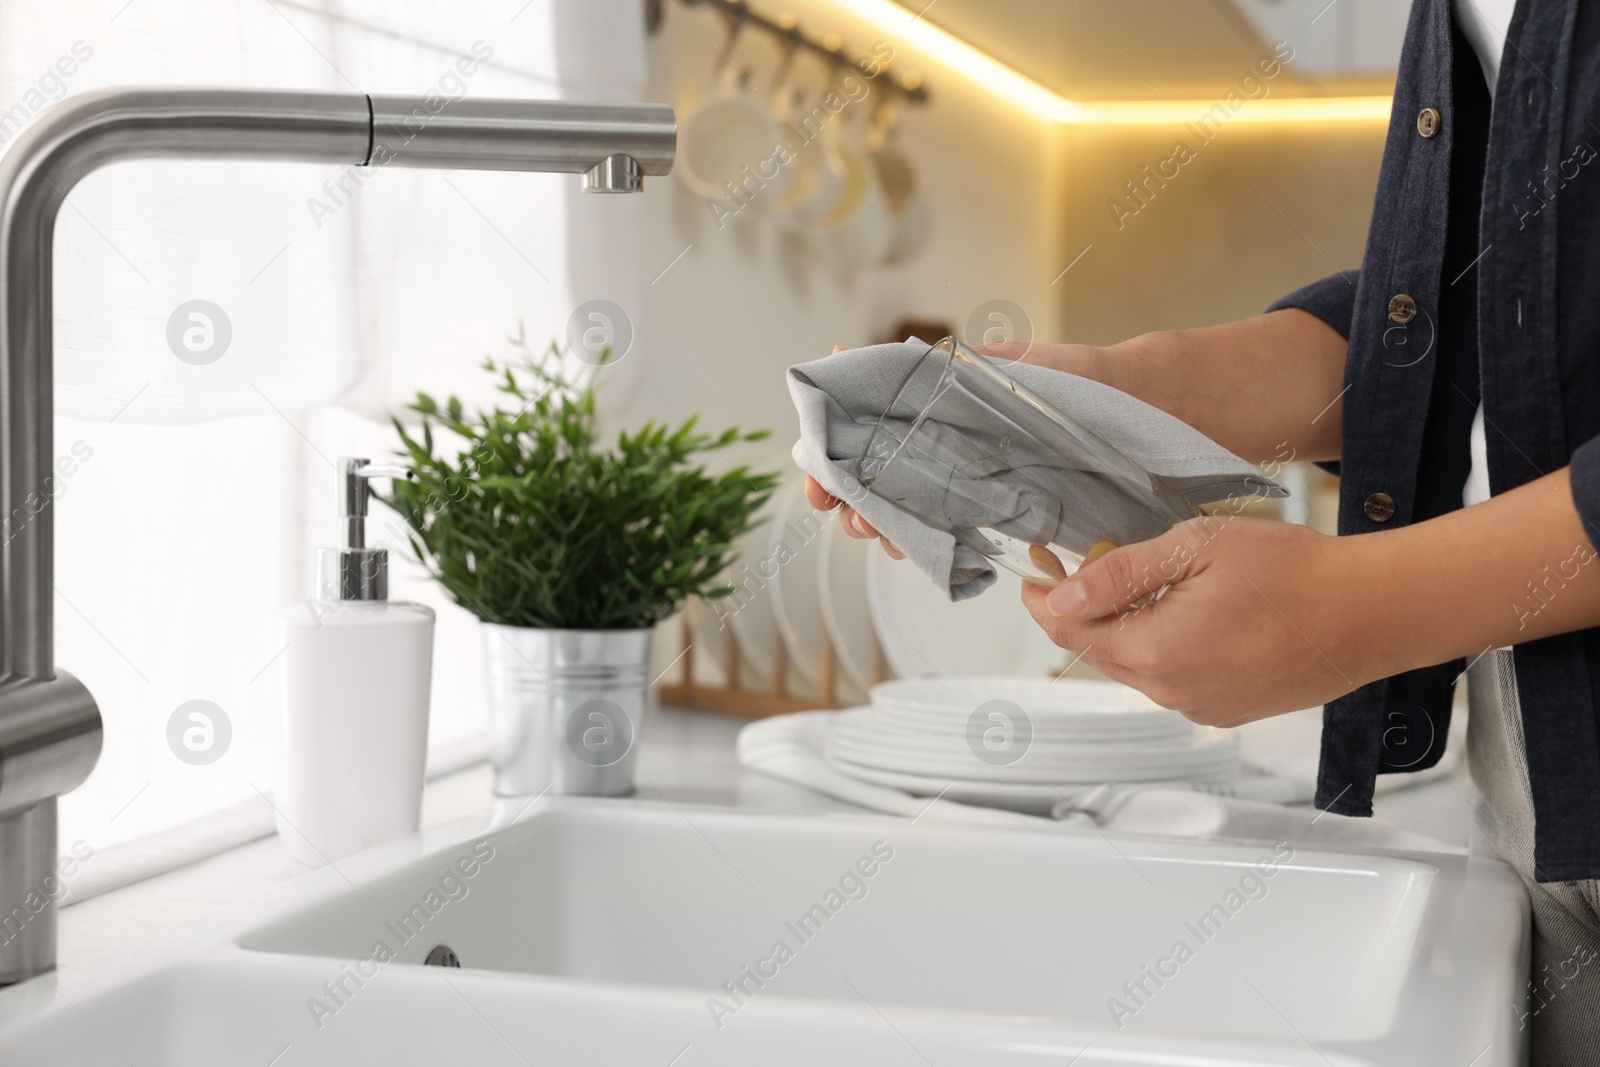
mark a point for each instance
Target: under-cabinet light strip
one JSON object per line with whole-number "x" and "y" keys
{"x": 919, "y": 33}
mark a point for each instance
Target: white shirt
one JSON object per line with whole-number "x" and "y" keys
{"x": 1484, "y": 23}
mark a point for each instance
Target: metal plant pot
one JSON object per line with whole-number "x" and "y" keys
{"x": 565, "y": 708}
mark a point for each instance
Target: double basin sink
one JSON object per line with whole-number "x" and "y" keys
{"x": 657, "y": 935}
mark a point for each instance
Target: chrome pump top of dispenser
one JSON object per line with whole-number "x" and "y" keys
{"x": 354, "y": 571}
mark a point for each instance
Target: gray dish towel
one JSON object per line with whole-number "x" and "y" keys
{"x": 841, "y": 398}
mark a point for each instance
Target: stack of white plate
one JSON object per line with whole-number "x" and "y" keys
{"x": 1019, "y": 743}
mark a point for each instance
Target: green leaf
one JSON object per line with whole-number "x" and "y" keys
{"x": 529, "y": 520}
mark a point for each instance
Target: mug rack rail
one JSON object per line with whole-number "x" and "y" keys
{"x": 908, "y": 84}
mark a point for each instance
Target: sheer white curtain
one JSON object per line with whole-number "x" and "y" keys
{"x": 199, "y": 489}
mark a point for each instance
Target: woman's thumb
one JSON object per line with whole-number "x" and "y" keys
{"x": 1120, "y": 579}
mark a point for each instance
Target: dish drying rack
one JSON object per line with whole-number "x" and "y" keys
{"x": 732, "y": 698}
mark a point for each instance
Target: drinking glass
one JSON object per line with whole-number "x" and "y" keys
{"x": 968, "y": 450}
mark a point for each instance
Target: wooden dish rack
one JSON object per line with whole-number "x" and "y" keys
{"x": 731, "y": 698}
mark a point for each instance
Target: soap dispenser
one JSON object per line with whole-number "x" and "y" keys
{"x": 358, "y": 667}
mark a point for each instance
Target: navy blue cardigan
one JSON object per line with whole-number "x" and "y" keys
{"x": 1538, "y": 355}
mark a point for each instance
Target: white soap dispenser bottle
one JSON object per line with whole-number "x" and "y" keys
{"x": 358, "y": 667}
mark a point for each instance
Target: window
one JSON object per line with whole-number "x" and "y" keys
{"x": 224, "y": 330}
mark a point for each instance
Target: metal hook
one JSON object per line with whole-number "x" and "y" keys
{"x": 736, "y": 15}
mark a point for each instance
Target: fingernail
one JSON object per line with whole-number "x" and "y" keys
{"x": 1047, "y": 561}
{"x": 1068, "y": 598}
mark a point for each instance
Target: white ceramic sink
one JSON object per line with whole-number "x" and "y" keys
{"x": 622, "y": 932}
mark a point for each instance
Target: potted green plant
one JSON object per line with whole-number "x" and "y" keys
{"x": 569, "y": 552}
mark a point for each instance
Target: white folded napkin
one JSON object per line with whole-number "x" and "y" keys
{"x": 789, "y": 747}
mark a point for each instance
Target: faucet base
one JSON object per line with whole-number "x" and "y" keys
{"x": 29, "y": 889}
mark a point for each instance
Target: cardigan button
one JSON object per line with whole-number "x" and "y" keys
{"x": 1428, "y": 121}
{"x": 1379, "y": 507}
{"x": 1402, "y": 309}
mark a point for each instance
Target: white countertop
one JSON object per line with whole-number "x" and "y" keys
{"x": 686, "y": 757}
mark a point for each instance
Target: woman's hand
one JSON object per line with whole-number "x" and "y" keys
{"x": 1254, "y": 618}
{"x": 1258, "y": 617}
{"x": 850, "y": 520}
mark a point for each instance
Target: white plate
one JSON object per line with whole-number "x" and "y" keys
{"x": 1075, "y": 697}
{"x": 1039, "y": 762}
{"x": 748, "y": 612}
{"x": 794, "y": 549}
{"x": 956, "y": 725}
{"x": 1128, "y": 723}
{"x": 878, "y": 728}
{"x": 923, "y": 633}
{"x": 1062, "y": 707}
{"x": 1219, "y": 766}
{"x": 1015, "y": 796}
{"x": 709, "y": 638}
{"x": 1210, "y": 756}
{"x": 842, "y": 578}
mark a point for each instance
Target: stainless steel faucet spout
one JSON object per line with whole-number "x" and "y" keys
{"x": 542, "y": 135}
{"x": 50, "y": 731}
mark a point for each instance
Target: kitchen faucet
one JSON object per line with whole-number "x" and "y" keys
{"x": 50, "y": 732}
